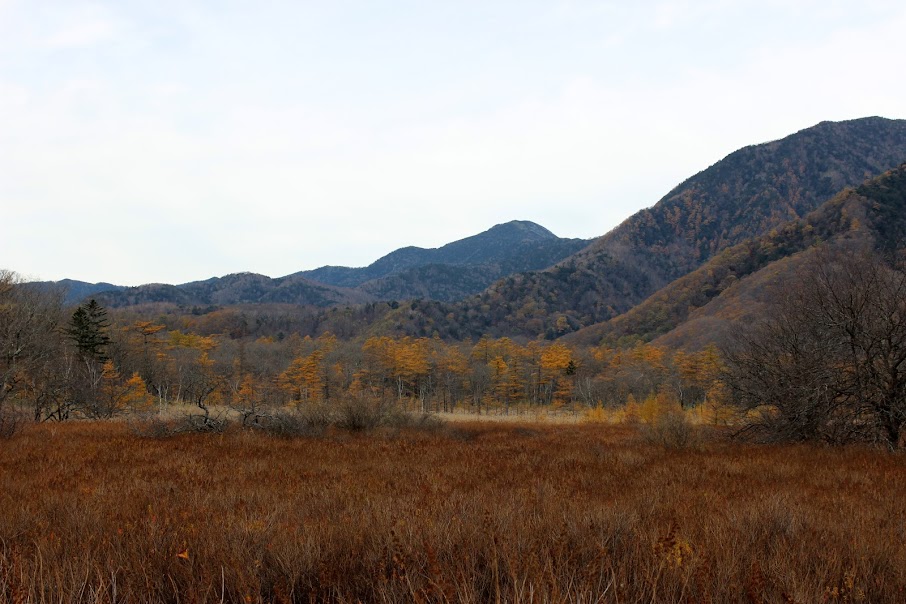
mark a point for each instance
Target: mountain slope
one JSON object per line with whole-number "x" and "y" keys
{"x": 738, "y": 284}
{"x": 750, "y": 192}
{"x": 451, "y": 282}
{"x": 238, "y": 288}
{"x": 514, "y": 246}
{"x": 76, "y": 291}
{"x": 450, "y": 272}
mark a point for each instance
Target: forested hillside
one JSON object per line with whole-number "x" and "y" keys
{"x": 749, "y": 193}
{"x": 455, "y": 270}
{"x": 757, "y": 191}
{"x": 238, "y": 288}
{"x": 873, "y": 215}
{"x": 199, "y": 348}
{"x": 448, "y": 273}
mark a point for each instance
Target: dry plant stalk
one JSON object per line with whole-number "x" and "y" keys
{"x": 89, "y": 512}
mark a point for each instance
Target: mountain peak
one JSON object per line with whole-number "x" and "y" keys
{"x": 514, "y": 246}
{"x": 529, "y": 231}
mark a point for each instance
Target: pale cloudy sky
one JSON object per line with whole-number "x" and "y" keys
{"x": 168, "y": 141}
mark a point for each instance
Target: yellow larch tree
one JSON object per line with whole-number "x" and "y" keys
{"x": 303, "y": 380}
{"x": 136, "y": 397}
{"x": 557, "y": 366}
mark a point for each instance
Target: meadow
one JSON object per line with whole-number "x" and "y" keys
{"x": 460, "y": 512}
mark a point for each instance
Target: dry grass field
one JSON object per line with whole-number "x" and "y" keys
{"x": 492, "y": 512}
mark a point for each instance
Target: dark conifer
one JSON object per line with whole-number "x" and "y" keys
{"x": 88, "y": 330}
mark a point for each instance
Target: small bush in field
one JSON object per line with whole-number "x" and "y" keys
{"x": 10, "y": 422}
{"x": 359, "y": 414}
{"x": 665, "y": 423}
{"x": 671, "y": 430}
{"x": 311, "y": 421}
{"x": 152, "y": 425}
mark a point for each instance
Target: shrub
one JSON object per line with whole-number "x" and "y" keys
{"x": 360, "y": 413}
{"x": 353, "y": 414}
{"x": 11, "y": 422}
{"x": 671, "y": 430}
{"x": 156, "y": 426}
{"x": 311, "y": 421}
{"x": 665, "y": 423}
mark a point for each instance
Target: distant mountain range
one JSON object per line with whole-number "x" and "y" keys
{"x": 710, "y": 254}
{"x": 448, "y": 273}
{"x": 76, "y": 291}
{"x": 513, "y": 245}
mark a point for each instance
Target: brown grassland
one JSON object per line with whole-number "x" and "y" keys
{"x": 91, "y": 512}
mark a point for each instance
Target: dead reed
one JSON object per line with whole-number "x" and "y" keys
{"x": 89, "y": 512}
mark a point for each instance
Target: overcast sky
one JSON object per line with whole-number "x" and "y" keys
{"x": 169, "y": 141}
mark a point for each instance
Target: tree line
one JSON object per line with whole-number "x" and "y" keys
{"x": 87, "y": 363}
{"x": 827, "y": 363}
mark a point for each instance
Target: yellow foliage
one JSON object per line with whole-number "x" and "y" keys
{"x": 109, "y": 373}
{"x": 555, "y": 359}
{"x": 658, "y": 406}
{"x": 404, "y": 358}
{"x": 674, "y": 549}
{"x": 304, "y": 379}
{"x": 205, "y": 362}
{"x": 599, "y": 414}
{"x": 247, "y": 390}
{"x": 680, "y": 552}
{"x": 191, "y": 340}
{"x": 326, "y": 342}
{"x": 595, "y": 415}
{"x": 136, "y": 396}
{"x": 631, "y": 410}
{"x": 714, "y": 411}
{"x": 650, "y": 355}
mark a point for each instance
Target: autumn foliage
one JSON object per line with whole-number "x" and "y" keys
{"x": 143, "y": 366}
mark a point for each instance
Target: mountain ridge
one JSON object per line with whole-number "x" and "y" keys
{"x": 495, "y": 244}
{"x": 869, "y": 217}
{"x": 747, "y": 193}
{"x": 756, "y": 191}
{"x": 449, "y": 272}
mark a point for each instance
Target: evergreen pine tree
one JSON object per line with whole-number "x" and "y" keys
{"x": 88, "y": 330}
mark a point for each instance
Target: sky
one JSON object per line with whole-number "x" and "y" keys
{"x": 175, "y": 140}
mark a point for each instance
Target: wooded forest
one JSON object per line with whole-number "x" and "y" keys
{"x": 91, "y": 363}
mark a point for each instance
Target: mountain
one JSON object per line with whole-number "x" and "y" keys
{"x": 738, "y": 285}
{"x": 717, "y": 215}
{"x": 237, "y": 288}
{"x": 76, "y": 291}
{"x": 748, "y": 193}
{"x": 450, "y": 272}
{"x": 457, "y": 269}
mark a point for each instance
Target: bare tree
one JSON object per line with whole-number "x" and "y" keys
{"x": 830, "y": 363}
{"x": 201, "y": 381}
{"x": 29, "y": 319}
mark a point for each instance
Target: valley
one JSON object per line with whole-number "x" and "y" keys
{"x": 704, "y": 404}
